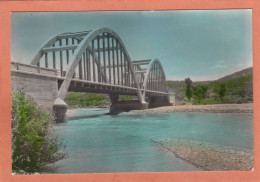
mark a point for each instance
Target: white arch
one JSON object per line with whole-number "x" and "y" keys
{"x": 74, "y": 61}
{"x": 154, "y": 61}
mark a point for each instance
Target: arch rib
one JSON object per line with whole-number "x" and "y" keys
{"x": 147, "y": 75}
{"x": 53, "y": 40}
{"x": 74, "y": 61}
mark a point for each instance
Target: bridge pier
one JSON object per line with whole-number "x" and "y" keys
{"x": 117, "y": 107}
{"x": 158, "y": 101}
{"x": 60, "y": 109}
{"x": 127, "y": 106}
{"x": 114, "y": 98}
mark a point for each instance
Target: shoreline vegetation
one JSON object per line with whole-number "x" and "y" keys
{"x": 35, "y": 147}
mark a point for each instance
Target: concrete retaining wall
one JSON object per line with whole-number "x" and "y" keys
{"x": 40, "y": 84}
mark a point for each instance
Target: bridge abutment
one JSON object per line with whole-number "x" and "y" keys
{"x": 41, "y": 85}
{"x": 37, "y": 83}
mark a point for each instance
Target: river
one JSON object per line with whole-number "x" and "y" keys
{"x": 104, "y": 143}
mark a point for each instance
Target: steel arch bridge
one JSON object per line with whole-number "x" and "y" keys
{"x": 98, "y": 61}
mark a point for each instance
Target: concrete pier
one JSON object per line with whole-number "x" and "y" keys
{"x": 127, "y": 106}
{"x": 159, "y": 101}
{"x": 60, "y": 109}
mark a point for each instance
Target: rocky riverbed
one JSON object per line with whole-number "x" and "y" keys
{"x": 210, "y": 157}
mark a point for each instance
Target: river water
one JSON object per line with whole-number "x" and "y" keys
{"x": 104, "y": 143}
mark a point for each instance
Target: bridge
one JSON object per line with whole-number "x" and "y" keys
{"x": 94, "y": 61}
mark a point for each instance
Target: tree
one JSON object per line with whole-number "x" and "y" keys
{"x": 242, "y": 92}
{"x": 199, "y": 92}
{"x": 188, "y": 90}
{"x": 222, "y": 91}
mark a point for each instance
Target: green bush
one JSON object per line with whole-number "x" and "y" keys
{"x": 33, "y": 143}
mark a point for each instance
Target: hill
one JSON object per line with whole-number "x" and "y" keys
{"x": 244, "y": 72}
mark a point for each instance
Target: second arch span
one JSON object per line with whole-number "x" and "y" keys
{"x": 97, "y": 61}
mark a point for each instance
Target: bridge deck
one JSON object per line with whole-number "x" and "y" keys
{"x": 79, "y": 84}
{"x": 83, "y": 85}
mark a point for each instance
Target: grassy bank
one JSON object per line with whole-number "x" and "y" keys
{"x": 83, "y": 100}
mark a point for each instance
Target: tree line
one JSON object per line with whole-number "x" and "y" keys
{"x": 218, "y": 92}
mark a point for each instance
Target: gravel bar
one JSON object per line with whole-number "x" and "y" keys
{"x": 217, "y": 108}
{"x": 210, "y": 157}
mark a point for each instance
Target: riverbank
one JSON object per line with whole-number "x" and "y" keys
{"x": 210, "y": 157}
{"x": 217, "y": 108}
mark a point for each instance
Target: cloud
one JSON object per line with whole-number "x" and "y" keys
{"x": 219, "y": 65}
{"x": 240, "y": 65}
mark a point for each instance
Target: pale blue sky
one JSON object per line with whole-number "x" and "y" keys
{"x": 200, "y": 44}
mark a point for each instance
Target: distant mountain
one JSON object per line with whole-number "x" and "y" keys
{"x": 244, "y": 72}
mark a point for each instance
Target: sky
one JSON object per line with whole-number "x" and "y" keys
{"x": 200, "y": 44}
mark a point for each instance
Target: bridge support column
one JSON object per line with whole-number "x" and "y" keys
{"x": 159, "y": 101}
{"x": 60, "y": 109}
{"x": 117, "y": 107}
{"x": 127, "y": 106}
{"x": 113, "y": 98}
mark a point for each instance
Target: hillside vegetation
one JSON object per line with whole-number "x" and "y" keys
{"x": 234, "y": 88}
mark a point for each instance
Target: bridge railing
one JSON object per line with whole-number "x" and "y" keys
{"x": 21, "y": 67}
